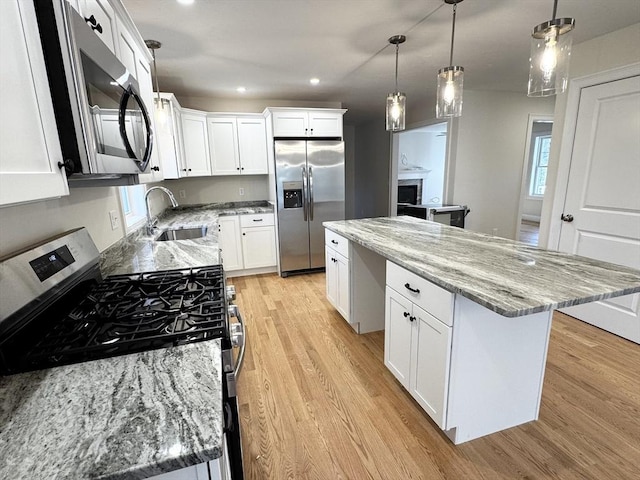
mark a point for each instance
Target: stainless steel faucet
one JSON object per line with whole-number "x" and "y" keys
{"x": 152, "y": 221}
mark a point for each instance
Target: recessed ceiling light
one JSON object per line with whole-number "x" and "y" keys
{"x": 186, "y": 2}
{"x": 314, "y": 81}
{"x": 241, "y": 89}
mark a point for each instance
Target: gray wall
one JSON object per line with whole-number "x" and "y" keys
{"x": 372, "y": 157}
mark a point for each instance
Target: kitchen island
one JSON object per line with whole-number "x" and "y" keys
{"x": 466, "y": 316}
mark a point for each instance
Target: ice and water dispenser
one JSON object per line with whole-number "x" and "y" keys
{"x": 292, "y": 194}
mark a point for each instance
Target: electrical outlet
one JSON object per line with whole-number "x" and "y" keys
{"x": 241, "y": 191}
{"x": 114, "y": 216}
{"x": 182, "y": 194}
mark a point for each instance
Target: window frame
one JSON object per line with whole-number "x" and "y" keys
{"x": 535, "y": 164}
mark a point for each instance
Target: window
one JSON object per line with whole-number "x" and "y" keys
{"x": 539, "y": 164}
{"x": 133, "y": 207}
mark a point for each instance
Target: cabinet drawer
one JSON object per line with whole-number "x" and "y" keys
{"x": 337, "y": 242}
{"x": 256, "y": 220}
{"x": 435, "y": 300}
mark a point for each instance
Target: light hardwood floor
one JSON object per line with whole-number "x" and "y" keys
{"x": 317, "y": 402}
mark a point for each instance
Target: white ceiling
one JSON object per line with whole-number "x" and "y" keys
{"x": 273, "y": 47}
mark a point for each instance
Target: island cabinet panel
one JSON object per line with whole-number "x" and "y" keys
{"x": 435, "y": 300}
{"x": 338, "y": 273}
{"x": 417, "y": 349}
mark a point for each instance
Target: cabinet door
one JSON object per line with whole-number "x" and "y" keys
{"x": 331, "y": 276}
{"x": 290, "y": 123}
{"x": 398, "y": 326}
{"x": 105, "y": 16}
{"x": 342, "y": 303}
{"x": 28, "y": 133}
{"x": 325, "y": 124}
{"x": 196, "y": 144}
{"x": 430, "y": 352}
{"x": 252, "y": 146}
{"x": 223, "y": 144}
{"x": 259, "y": 247}
{"x": 166, "y": 141}
{"x": 178, "y": 139}
{"x": 230, "y": 243}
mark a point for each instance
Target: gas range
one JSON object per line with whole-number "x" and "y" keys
{"x": 55, "y": 309}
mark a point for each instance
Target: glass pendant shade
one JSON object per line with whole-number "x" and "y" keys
{"x": 449, "y": 96}
{"x": 396, "y": 103}
{"x": 550, "y": 54}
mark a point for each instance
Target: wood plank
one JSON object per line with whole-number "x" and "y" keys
{"x": 317, "y": 402}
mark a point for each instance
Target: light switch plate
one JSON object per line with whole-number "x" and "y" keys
{"x": 114, "y": 216}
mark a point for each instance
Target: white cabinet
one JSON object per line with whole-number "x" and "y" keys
{"x": 230, "y": 242}
{"x": 28, "y": 133}
{"x": 238, "y": 145}
{"x": 168, "y": 139}
{"x": 297, "y": 122}
{"x": 258, "y": 240}
{"x": 195, "y": 143}
{"x": 417, "y": 347}
{"x": 105, "y": 20}
{"x": 247, "y": 241}
{"x": 338, "y": 273}
{"x": 137, "y": 63}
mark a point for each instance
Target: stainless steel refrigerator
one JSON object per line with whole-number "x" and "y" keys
{"x": 310, "y": 190}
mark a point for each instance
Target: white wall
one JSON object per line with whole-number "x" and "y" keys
{"x": 246, "y": 105}
{"x": 24, "y": 225}
{"x": 615, "y": 49}
{"x": 219, "y": 189}
{"x": 490, "y": 151}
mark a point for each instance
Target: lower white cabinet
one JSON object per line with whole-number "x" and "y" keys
{"x": 337, "y": 280}
{"x": 417, "y": 350}
{"x": 247, "y": 241}
{"x": 28, "y": 133}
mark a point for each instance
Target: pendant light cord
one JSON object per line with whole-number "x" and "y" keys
{"x": 155, "y": 73}
{"x": 555, "y": 9}
{"x": 397, "y": 49}
{"x": 453, "y": 32}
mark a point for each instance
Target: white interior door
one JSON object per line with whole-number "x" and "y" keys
{"x": 603, "y": 195}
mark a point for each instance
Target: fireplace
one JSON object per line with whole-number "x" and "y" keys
{"x": 410, "y": 191}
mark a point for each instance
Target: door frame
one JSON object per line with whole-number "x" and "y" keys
{"x": 524, "y": 184}
{"x": 449, "y": 165}
{"x": 566, "y": 147}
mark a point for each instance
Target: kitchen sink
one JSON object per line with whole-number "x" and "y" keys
{"x": 185, "y": 233}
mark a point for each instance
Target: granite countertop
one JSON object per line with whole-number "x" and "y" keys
{"x": 126, "y": 417}
{"x": 507, "y": 277}
{"x": 139, "y": 252}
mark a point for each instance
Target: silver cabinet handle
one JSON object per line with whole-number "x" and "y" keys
{"x": 311, "y": 192}
{"x": 304, "y": 193}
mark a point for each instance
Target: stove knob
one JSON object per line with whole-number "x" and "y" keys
{"x": 231, "y": 292}
{"x": 237, "y": 338}
{"x": 232, "y": 311}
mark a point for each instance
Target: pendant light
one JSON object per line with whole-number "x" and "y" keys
{"x": 396, "y": 101}
{"x": 154, "y": 45}
{"x": 550, "y": 52}
{"x": 450, "y": 80}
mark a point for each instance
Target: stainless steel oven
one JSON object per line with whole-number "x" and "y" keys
{"x": 104, "y": 126}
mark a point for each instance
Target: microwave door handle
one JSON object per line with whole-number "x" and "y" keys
{"x": 304, "y": 193}
{"x": 129, "y": 92}
{"x": 310, "y": 193}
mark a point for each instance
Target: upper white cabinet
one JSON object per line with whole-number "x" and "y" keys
{"x": 101, "y": 16}
{"x": 238, "y": 145}
{"x": 28, "y": 133}
{"x": 168, "y": 139}
{"x": 196, "y": 144}
{"x": 299, "y": 122}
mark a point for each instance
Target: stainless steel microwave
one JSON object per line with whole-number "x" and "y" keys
{"x": 103, "y": 124}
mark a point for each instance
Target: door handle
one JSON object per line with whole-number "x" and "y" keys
{"x": 566, "y": 218}
{"x": 311, "y": 192}
{"x": 304, "y": 193}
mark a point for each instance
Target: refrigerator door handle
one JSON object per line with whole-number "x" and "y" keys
{"x": 310, "y": 193}
{"x": 304, "y": 193}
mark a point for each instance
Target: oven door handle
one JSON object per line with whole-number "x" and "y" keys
{"x": 243, "y": 345}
